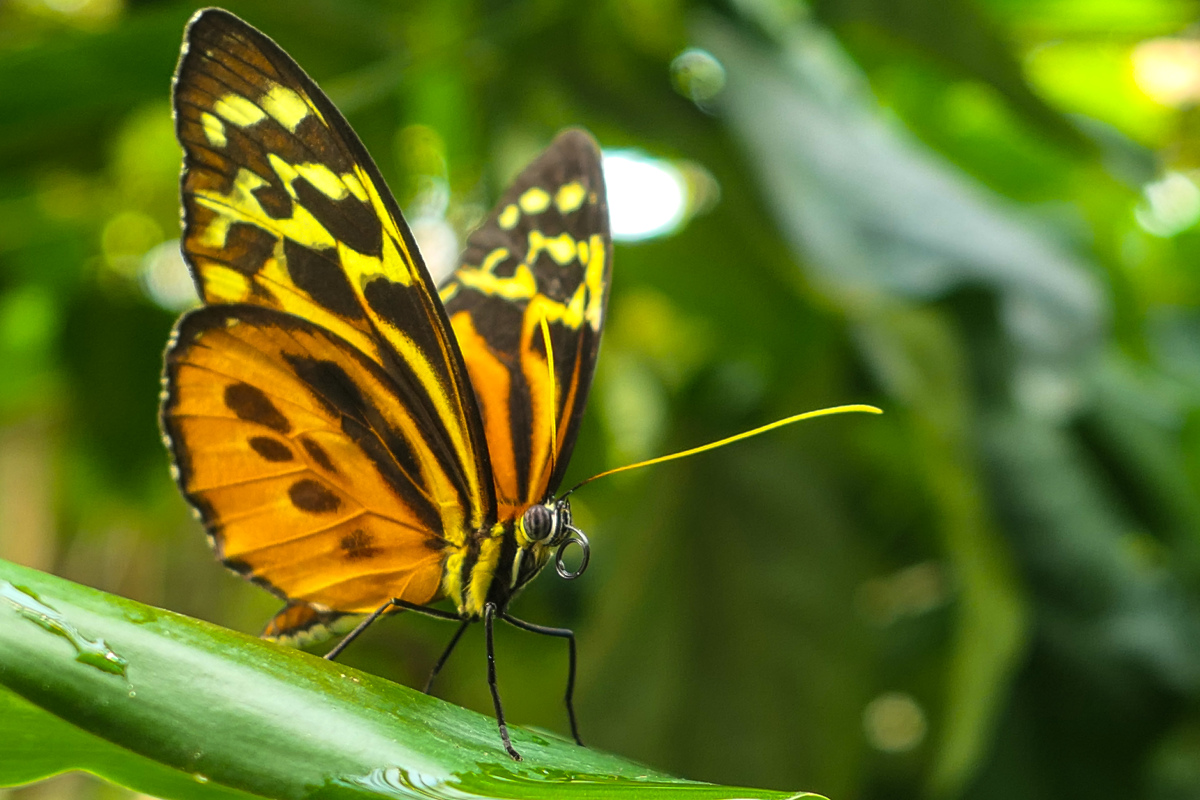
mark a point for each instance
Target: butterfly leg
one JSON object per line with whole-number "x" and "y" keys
{"x": 441, "y": 662}
{"x": 377, "y": 613}
{"x": 359, "y": 628}
{"x": 489, "y": 612}
{"x": 562, "y": 633}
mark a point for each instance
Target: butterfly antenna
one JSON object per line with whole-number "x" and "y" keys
{"x": 823, "y": 412}
{"x": 553, "y": 394}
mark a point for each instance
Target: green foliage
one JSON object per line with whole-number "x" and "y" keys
{"x": 971, "y": 214}
{"x": 184, "y": 709}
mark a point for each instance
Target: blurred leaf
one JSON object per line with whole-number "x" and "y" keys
{"x": 959, "y": 34}
{"x": 873, "y": 212}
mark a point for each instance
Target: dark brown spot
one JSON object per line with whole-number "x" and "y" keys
{"x": 252, "y": 405}
{"x": 274, "y": 200}
{"x": 319, "y": 273}
{"x": 247, "y": 247}
{"x": 312, "y": 496}
{"x": 348, "y": 220}
{"x": 271, "y": 449}
{"x": 318, "y": 454}
{"x": 359, "y": 545}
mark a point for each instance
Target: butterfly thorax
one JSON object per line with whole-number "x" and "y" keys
{"x": 512, "y": 554}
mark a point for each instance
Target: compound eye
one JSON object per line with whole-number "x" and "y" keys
{"x": 539, "y": 523}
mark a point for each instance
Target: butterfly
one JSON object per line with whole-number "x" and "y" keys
{"x": 353, "y": 437}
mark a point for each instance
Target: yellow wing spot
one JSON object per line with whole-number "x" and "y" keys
{"x": 240, "y": 205}
{"x": 393, "y": 266}
{"x": 569, "y": 197}
{"x": 508, "y": 217}
{"x": 583, "y": 252}
{"x": 534, "y": 201}
{"x": 493, "y": 258}
{"x": 594, "y": 281}
{"x": 216, "y": 232}
{"x": 286, "y": 172}
{"x": 360, "y": 268}
{"x": 396, "y": 258}
{"x": 573, "y": 314}
{"x": 223, "y": 282}
{"x": 324, "y": 180}
{"x": 448, "y": 292}
{"x": 354, "y": 185}
{"x": 303, "y": 228}
{"x": 561, "y": 248}
{"x": 521, "y": 286}
{"x": 286, "y": 106}
{"x": 239, "y": 197}
{"x": 214, "y": 129}
{"x": 238, "y": 110}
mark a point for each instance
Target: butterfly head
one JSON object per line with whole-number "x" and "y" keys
{"x": 543, "y": 529}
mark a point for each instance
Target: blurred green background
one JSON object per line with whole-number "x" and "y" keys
{"x": 980, "y": 215}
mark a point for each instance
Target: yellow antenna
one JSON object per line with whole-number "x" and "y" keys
{"x": 553, "y": 393}
{"x": 823, "y": 412}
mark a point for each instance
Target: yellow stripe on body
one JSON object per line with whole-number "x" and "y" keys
{"x": 482, "y": 574}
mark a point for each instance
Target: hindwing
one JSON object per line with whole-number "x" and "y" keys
{"x": 309, "y": 476}
{"x": 543, "y": 255}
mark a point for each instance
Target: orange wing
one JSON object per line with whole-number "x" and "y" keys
{"x": 544, "y": 254}
{"x": 291, "y": 446}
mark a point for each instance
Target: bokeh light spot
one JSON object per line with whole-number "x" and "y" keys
{"x": 1170, "y": 205}
{"x": 438, "y": 244}
{"x": 698, "y": 75}
{"x": 1168, "y": 70}
{"x": 894, "y": 722}
{"x": 647, "y": 197}
{"x": 166, "y": 279}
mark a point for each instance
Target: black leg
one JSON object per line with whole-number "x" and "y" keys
{"x": 489, "y": 611}
{"x": 562, "y": 633}
{"x": 374, "y": 615}
{"x": 441, "y": 662}
{"x": 359, "y": 628}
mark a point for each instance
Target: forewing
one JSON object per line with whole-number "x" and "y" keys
{"x": 545, "y": 253}
{"x": 309, "y": 477}
{"x": 284, "y": 209}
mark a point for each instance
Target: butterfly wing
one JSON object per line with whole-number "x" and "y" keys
{"x": 289, "y": 443}
{"x": 543, "y": 255}
{"x": 285, "y": 211}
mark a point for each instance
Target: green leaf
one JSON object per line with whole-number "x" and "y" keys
{"x": 179, "y": 708}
